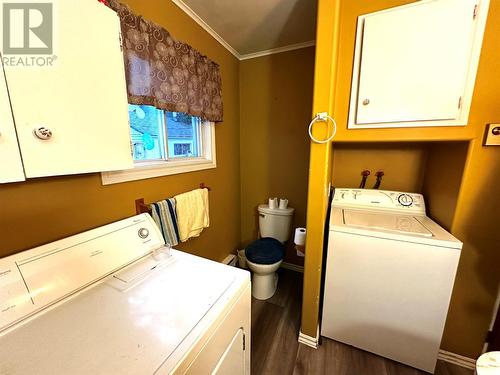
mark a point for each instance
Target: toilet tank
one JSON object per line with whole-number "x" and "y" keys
{"x": 275, "y": 222}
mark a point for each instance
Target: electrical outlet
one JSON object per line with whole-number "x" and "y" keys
{"x": 492, "y": 137}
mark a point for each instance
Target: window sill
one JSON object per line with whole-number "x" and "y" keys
{"x": 142, "y": 171}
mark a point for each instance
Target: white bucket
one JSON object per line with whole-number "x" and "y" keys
{"x": 242, "y": 259}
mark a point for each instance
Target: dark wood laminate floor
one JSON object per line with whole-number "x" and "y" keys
{"x": 276, "y": 351}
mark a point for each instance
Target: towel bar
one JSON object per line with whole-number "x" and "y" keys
{"x": 141, "y": 207}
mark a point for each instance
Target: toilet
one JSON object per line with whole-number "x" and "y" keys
{"x": 488, "y": 364}
{"x": 264, "y": 256}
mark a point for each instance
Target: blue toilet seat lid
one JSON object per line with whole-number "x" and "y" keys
{"x": 267, "y": 250}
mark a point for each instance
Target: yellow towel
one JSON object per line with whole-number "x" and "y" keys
{"x": 192, "y": 213}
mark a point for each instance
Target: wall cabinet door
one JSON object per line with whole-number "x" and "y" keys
{"x": 416, "y": 64}
{"x": 81, "y": 99}
{"x": 11, "y": 167}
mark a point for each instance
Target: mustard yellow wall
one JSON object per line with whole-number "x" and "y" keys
{"x": 475, "y": 220}
{"x": 275, "y": 108}
{"x": 320, "y": 161}
{"x": 443, "y": 177}
{"x": 402, "y": 163}
{"x": 477, "y": 217}
{"x": 46, "y": 209}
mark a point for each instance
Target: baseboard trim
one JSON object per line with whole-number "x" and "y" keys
{"x": 309, "y": 340}
{"x": 293, "y": 267}
{"x": 457, "y": 359}
{"x": 230, "y": 260}
{"x": 443, "y": 355}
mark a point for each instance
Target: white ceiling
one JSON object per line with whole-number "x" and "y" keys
{"x": 249, "y": 27}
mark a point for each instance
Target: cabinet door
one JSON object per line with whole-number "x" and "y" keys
{"x": 81, "y": 98}
{"x": 233, "y": 359}
{"x": 227, "y": 350}
{"x": 11, "y": 167}
{"x": 415, "y": 63}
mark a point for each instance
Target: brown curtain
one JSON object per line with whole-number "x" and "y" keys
{"x": 165, "y": 72}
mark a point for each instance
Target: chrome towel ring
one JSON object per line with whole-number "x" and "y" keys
{"x": 322, "y": 116}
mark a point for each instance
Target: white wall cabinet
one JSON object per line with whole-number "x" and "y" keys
{"x": 415, "y": 65}
{"x": 11, "y": 167}
{"x": 81, "y": 99}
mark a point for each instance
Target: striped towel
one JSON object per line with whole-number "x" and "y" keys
{"x": 163, "y": 213}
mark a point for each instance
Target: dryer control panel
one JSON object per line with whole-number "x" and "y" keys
{"x": 36, "y": 278}
{"x": 380, "y": 200}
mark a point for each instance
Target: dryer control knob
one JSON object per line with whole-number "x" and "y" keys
{"x": 405, "y": 200}
{"x": 143, "y": 233}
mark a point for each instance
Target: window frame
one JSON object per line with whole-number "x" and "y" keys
{"x": 171, "y": 166}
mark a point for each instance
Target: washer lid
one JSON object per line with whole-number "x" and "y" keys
{"x": 359, "y": 225}
{"x": 387, "y": 222}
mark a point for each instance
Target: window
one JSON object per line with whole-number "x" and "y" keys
{"x": 165, "y": 143}
{"x": 162, "y": 135}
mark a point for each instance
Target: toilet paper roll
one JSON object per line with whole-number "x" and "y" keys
{"x": 273, "y": 203}
{"x": 300, "y": 236}
{"x": 283, "y": 204}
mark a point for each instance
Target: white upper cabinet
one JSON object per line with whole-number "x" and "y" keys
{"x": 415, "y": 65}
{"x": 79, "y": 104}
{"x": 11, "y": 167}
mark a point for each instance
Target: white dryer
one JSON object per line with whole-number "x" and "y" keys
{"x": 389, "y": 276}
{"x": 114, "y": 300}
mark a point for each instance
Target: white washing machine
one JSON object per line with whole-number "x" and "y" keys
{"x": 389, "y": 276}
{"x": 114, "y": 300}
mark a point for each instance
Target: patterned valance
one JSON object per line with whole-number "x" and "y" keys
{"x": 165, "y": 72}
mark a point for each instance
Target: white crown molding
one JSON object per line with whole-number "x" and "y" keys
{"x": 272, "y": 51}
{"x": 191, "y": 13}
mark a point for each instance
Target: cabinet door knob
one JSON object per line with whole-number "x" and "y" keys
{"x": 42, "y": 133}
{"x": 366, "y": 101}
